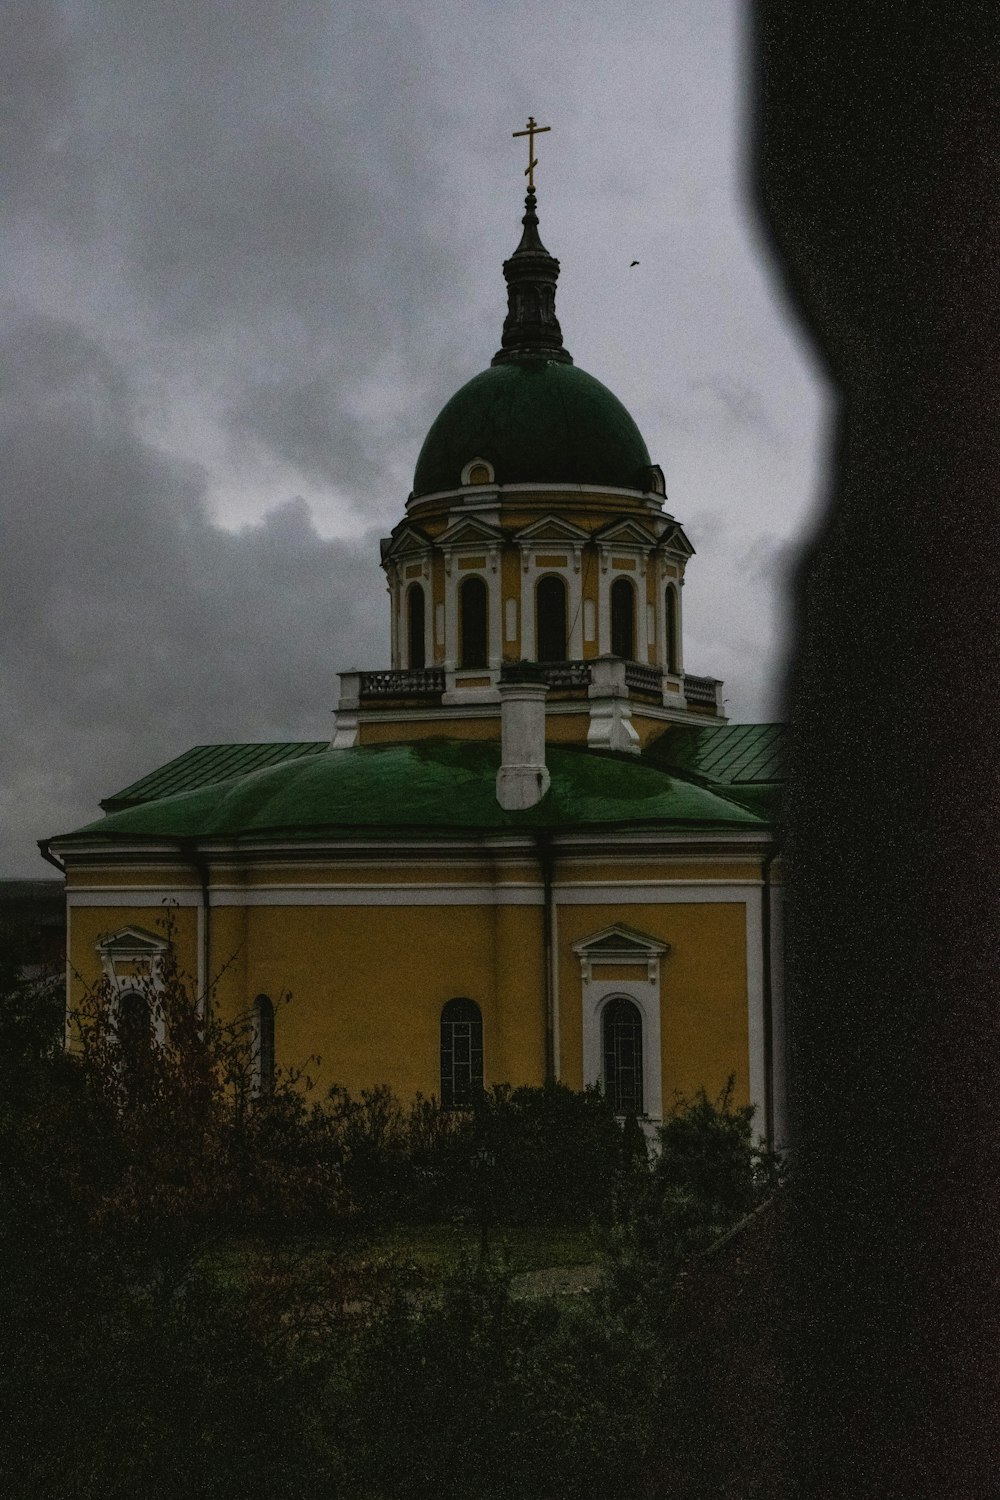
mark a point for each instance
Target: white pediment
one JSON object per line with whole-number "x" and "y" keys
{"x": 675, "y": 541}
{"x": 470, "y": 531}
{"x": 408, "y": 541}
{"x": 619, "y": 944}
{"x": 552, "y": 529}
{"x": 132, "y": 942}
{"x": 624, "y": 533}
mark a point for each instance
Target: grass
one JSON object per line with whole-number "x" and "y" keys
{"x": 429, "y": 1251}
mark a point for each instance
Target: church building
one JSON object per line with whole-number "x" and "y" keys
{"x": 533, "y": 848}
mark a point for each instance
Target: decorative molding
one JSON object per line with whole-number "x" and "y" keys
{"x": 619, "y": 944}
{"x": 616, "y": 945}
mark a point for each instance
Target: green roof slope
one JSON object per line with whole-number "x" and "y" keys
{"x": 745, "y": 762}
{"x": 203, "y": 764}
{"x": 431, "y": 785}
{"x": 537, "y": 421}
{"x": 727, "y": 754}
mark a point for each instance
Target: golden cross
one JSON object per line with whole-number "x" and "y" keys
{"x": 531, "y": 131}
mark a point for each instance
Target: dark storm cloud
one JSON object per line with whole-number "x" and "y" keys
{"x": 132, "y": 625}
{"x": 35, "y": 91}
{"x": 253, "y": 201}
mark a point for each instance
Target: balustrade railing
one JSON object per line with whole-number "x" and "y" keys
{"x": 700, "y": 690}
{"x": 429, "y": 682}
{"x": 644, "y": 677}
{"x": 565, "y": 674}
{"x": 413, "y": 682}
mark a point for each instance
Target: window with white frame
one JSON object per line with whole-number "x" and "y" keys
{"x": 621, "y": 1038}
{"x": 621, "y": 1003}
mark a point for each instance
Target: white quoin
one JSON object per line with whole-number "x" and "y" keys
{"x": 523, "y": 777}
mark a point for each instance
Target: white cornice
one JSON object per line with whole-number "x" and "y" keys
{"x": 649, "y": 499}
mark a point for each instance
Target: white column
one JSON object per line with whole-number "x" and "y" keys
{"x": 527, "y": 575}
{"x": 450, "y": 614}
{"x": 574, "y": 604}
{"x": 493, "y": 579}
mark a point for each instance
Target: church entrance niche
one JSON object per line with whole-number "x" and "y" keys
{"x": 461, "y": 1053}
{"x": 472, "y": 599}
{"x": 622, "y": 1045}
{"x": 623, "y": 619}
{"x": 550, "y": 615}
{"x": 416, "y": 655}
{"x": 673, "y": 634}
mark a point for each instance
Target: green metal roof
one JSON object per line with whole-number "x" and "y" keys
{"x": 537, "y": 421}
{"x": 727, "y": 754}
{"x": 204, "y": 764}
{"x": 745, "y": 762}
{"x": 434, "y": 785}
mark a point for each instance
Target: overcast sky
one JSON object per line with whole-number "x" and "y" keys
{"x": 251, "y": 247}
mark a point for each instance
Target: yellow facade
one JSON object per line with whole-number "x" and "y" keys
{"x": 369, "y": 953}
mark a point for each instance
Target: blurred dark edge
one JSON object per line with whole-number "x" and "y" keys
{"x": 875, "y": 157}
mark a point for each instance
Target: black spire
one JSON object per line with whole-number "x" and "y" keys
{"x": 531, "y": 329}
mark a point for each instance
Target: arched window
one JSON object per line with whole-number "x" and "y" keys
{"x": 673, "y": 634}
{"x": 474, "y": 631}
{"x": 262, "y": 1057}
{"x": 461, "y": 1053}
{"x": 415, "y": 628}
{"x": 622, "y": 1044}
{"x": 550, "y": 616}
{"x": 623, "y": 619}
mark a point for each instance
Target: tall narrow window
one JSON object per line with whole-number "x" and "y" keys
{"x": 263, "y": 1044}
{"x": 550, "y": 613}
{"x": 416, "y": 654}
{"x": 623, "y": 619}
{"x": 472, "y": 610}
{"x": 134, "y": 1028}
{"x": 622, "y": 1040}
{"x": 461, "y": 1053}
{"x": 673, "y": 635}
{"x": 135, "y": 1038}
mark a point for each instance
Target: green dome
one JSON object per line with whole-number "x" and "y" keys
{"x": 537, "y": 421}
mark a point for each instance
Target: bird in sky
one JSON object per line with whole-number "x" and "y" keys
{"x": 634, "y": 263}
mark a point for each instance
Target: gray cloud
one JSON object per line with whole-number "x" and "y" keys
{"x": 132, "y": 625}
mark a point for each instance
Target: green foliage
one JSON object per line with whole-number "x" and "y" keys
{"x": 517, "y": 1156}
{"x": 122, "y": 1369}
{"x": 708, "y": 1174}
{"x": 708, "y": 1153}
{"x": 480, "y": 1396}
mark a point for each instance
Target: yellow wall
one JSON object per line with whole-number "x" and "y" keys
{"x": 703, "y": 992}
{"x": 367, "y": 983}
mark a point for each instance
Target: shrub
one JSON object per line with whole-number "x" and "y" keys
{"x": 708, "y": 1174}
{"x": 481, "y": 1396}
{"x": 517, "y": 1156}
